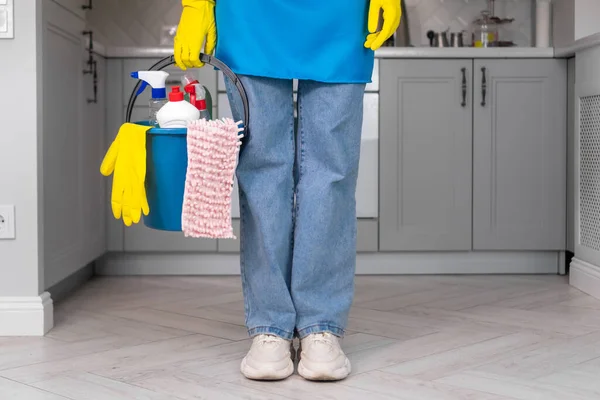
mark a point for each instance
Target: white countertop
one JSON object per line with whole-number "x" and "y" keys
{"x": 579, "y": 45}
{"x": 385, "y": 52}
{"x": 397, "y": 52}
{"x": 464, "y": 52}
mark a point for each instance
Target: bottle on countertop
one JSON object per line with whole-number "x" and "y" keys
{"x": 157, "y": 81}
{"x": 177, "y": 112}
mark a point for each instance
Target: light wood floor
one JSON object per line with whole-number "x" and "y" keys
{"x": 417, "y": 338}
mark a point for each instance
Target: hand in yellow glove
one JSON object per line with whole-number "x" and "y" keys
{"x": 197, "y": 23}
{"x": 126, "y": 158}
{"x": 391, "y": 19}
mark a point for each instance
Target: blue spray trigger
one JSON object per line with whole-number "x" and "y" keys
{"x": 141, "y": 89}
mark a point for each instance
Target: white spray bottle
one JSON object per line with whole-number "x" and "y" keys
{"x": 157, "y": 80}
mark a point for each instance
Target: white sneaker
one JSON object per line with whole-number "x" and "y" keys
{"x": 322, "y": 358}
{"x": 270, "y": 358}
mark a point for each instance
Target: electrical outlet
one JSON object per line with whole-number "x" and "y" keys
{"x": 7, "y": 30}
{"x": 7, "y": 222}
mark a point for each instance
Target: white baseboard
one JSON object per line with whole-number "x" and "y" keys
{"x": 585, "y": 277}
{"x": 26, "y": 316}
{"x": 526, "y": 262}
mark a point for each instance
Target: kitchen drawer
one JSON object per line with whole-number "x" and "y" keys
{"x": 373, "y": 86}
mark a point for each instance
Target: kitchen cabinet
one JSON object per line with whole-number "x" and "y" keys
{"x": 519, "y": 154}
{"x": 425, "y": 155}
{"x": 93, "y": 150}
{"x": 72, "y": 146}
{"x": 73, "y": 6}
{"x": 484, "y": 173}
{"x": 140, "y": 238}
{"x": 571, "y": 155}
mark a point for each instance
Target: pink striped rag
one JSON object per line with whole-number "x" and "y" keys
{"x": 213, "y": 148}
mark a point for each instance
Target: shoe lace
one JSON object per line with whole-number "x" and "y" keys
{"x": 325, "y": 338}
{"x": 267, "y": 339}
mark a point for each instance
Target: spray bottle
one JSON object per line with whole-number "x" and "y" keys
{"x": 196, "y": 92}
{"x": 157, "y": 80}
{"x": 188, "y": 81}
{"x": 200, "y": 93}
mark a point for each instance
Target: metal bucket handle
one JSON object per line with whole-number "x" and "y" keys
{"x": 207, "y": 59}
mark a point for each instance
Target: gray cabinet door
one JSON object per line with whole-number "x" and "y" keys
{"x": 571, "y": 155}
{"x": 71, "y": 149}
{"x": 519, "y": 164}
{"x": 74, "y": 6}
{"x": 139, "y": 238}
{"x": 425, "y": 155}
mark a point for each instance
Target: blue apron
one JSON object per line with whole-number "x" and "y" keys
{"x": 320, "y": 40}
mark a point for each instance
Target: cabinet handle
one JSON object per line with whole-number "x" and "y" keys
{"x": 95, "y": 81}
{"x": 483, "y": 86}
{"x": 92, "y": 64}
{"x": 87, "y": 6}
{"x": 464, "y": 87}
{"x": 90, "y": 60}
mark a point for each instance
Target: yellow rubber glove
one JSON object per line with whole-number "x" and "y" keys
{"x": 391, "y": 19}
{"x": 126, "y": 158}
{"x": 196, "y": 24}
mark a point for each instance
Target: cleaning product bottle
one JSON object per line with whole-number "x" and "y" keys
{"x": 200, "y": 94}
{"x": 188, "y": 81}
{"x": 177, "y": 112}
{"x": 157, "y": 80}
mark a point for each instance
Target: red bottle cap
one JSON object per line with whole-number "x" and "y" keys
{"x": 189, "y": 88}
{"x": 201, "y": 105}
{"x": 176, "y": 94}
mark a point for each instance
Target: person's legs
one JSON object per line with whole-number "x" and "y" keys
{"x": 266, "y": 185}
{"x": 324, "y": 253}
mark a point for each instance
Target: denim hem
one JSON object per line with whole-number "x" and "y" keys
{"x": 261, "y": 330}
{"x": 320, "y": 328}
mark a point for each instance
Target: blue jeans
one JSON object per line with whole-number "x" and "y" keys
{"x": 297, "y": 204}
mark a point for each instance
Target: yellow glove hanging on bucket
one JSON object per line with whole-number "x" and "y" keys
{"x": 391, "y": 19}
{"x": 197, "y": 23}
{"x": 126, "y": 160}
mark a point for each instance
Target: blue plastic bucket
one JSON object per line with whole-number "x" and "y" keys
{"x": 166, "y": 168}
{"x": 166, "y": 156}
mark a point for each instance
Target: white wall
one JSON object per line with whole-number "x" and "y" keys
{"x": 574, "y": 19}
{"x": 587, "y": 18}
{"x": 145, "y": 23}
{"x": 21, "y": 273}
{"x": 563, "y": 23}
